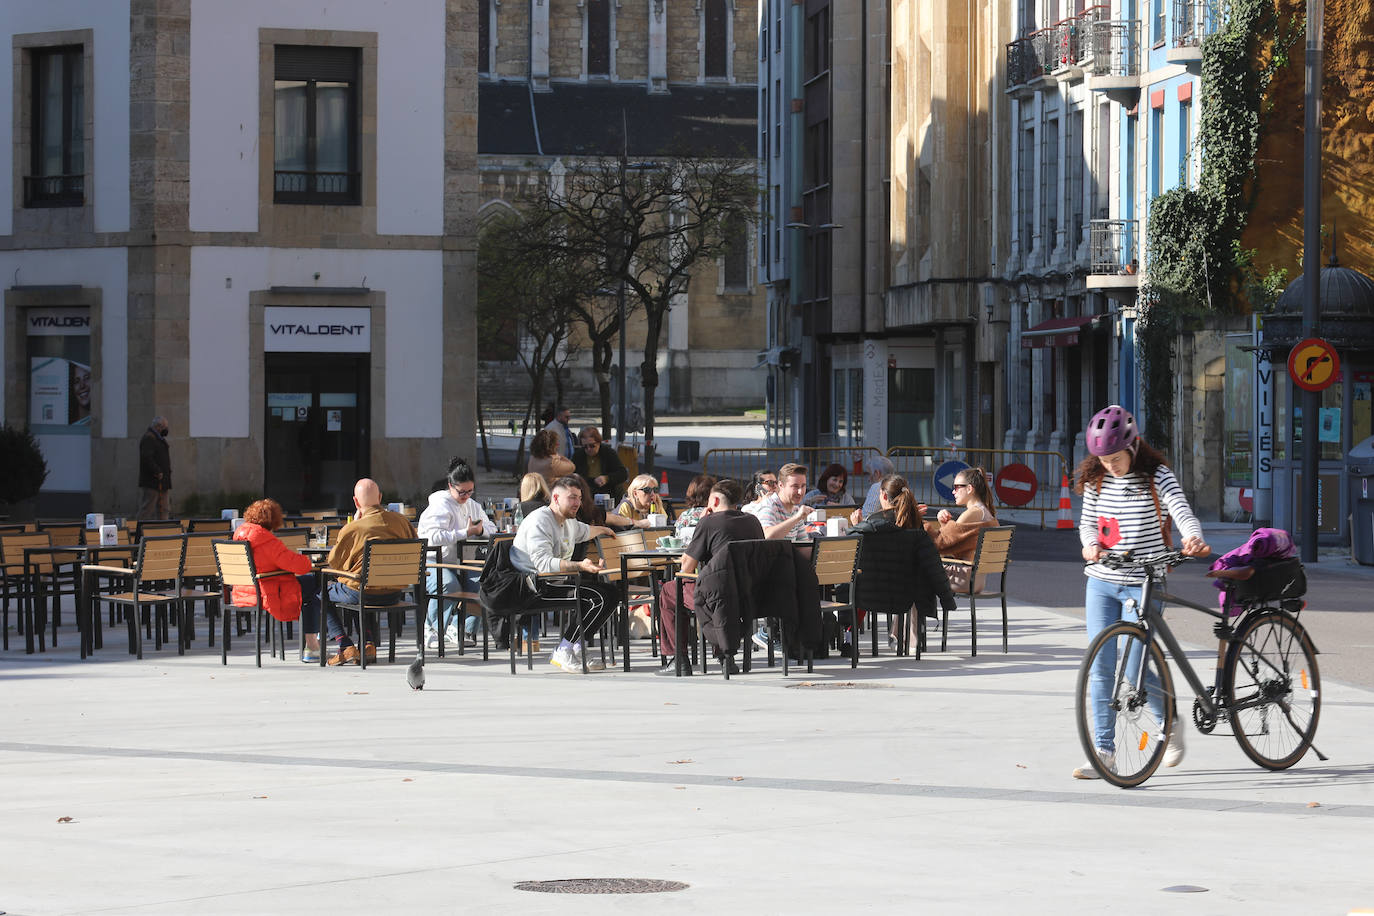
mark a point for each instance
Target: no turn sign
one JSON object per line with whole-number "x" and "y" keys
{"x": 1015, "y": 484}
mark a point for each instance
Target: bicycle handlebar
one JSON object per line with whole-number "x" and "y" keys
{"x": 1159, "y": 562}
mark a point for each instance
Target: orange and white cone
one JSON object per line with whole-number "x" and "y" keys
{"x": 663, "y": 484}
{"x": 1065, "y": 504}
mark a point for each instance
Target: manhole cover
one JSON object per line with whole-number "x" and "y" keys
{"x": 602, "y": 886}
{"x": 839, "y": 685}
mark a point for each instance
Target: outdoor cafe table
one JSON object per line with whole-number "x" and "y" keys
{"x": 668, "y": 559}
{"x": 92, "y": 637}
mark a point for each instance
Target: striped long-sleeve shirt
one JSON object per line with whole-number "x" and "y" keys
{"x": 1121, "y": 517}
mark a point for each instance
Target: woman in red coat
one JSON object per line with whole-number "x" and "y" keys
{"x": 284, "y": 597}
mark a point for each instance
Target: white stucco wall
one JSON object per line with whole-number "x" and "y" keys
{"x": 410, "y": 106}
{"x": 109, "y": 22}
{"x": 411, "y": 280}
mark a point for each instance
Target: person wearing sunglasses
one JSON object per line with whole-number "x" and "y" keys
{"x": 641, "y": 501}
{"x": 599, "y": 466}
{"x": 761, "y": 486}
{"x": 452, "y": 517}
{"x": 956, "y": 537}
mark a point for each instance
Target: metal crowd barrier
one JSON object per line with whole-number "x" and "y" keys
{"x": 916, "y": 463}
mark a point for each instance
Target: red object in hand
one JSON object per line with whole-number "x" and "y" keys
{"x": 1108, "y": 531}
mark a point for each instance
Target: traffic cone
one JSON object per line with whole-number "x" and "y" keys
{"x": 1065, "y": 505}
{"x": 663, "y": 484}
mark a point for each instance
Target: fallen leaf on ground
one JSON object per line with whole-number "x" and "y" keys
{"x": 64, "y": 820}
{"x": 357, "y": 693}
{"x": 1314, "y": 804}
{"x": 669, "y": 704}
{"x": 683, "y": 760}
{"x": 679, "y": 787}
{"x": 736, "y": 778}
{"x": 407, "y": 779}
{"x": 1020, "y": 766}
{"x": 259, "y": 796}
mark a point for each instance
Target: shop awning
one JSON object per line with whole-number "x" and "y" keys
{"x": 1057, "y": 332}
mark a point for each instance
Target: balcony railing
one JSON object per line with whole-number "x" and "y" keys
{"x": 1116, "y": 48}
{"x": 1194, "y": 20}
{"x": 1068, "y": 43}
{"x": 54, "y": 190}
{"x": 1112, "y": 245}
{"x": 295, "y": 187}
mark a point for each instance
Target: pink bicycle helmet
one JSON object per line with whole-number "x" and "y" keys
{"x": 1111, "y": 430}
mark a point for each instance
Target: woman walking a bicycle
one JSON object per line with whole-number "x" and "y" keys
{"x": 1129, "y": 495}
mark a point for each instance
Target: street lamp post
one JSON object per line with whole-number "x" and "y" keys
{"x": 1311, "y": 267}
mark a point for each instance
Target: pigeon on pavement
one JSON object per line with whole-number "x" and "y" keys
{"x": 415, "y": 674}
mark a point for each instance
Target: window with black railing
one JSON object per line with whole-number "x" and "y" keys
{"x": 316, "y": 137}
{"x": 58, "y": 143}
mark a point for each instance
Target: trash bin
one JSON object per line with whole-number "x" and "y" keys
{"x": 688, "y": 451}
{"x": 1359, "y": 465}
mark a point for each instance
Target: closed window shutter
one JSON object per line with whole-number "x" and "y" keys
{"x": 310, "y": 62}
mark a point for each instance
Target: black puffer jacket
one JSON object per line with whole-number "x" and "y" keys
{"x": 899, "y": 567}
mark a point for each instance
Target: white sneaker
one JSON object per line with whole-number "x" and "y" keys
{"x": 1106, "y": 759}
{"x": 575, "y": 662}
{"x": 431, "y": 638}
{"x": 1173, "y": 753}
{"x": 563, "y": 658}
{"x": 761, "y": 640}
{"x": 451, "y": 635}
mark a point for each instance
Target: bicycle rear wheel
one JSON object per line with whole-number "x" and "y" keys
{"x": 1273, "y": 689}
{"x": 1139, "y": 700}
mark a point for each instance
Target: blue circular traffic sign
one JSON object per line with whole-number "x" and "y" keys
{"x": 944, "y": 478}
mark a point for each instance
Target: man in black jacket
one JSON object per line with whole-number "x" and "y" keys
{"x": 154, "y": 472}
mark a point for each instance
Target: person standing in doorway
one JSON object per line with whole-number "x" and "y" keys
{"x": 154, "y": 472}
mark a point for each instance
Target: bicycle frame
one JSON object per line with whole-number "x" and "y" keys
{"x": 1152, "y": 619}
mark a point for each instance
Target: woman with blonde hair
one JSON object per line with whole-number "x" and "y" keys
{"x": 641, "y": 500}
{"x": 534, "y": 493}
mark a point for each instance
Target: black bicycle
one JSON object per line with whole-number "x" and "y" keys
{"x": 1267, "y": 688}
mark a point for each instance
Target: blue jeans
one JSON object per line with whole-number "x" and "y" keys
{"x": 449, "y": 581}
{"x": 1105, "y": 604}
{"x": 342, "y": 594}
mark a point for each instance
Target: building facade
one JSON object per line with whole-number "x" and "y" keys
{"x": 253, "y": 219}
{"x": 565, "y": 82}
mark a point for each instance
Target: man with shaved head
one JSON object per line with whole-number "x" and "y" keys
{"x": 371, "y": 523}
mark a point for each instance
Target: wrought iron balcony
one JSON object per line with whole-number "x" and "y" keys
{"x": 1116, "y": 47}
{"x": 300, "y": 187}
{"x": 1066, "y": 44}
{"x": 54, "y": 190}
{"x": 1112, "y": 246}
{"x": 1194, "y": 20}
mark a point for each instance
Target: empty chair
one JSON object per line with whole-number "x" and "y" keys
{"x": 154, "y": 584}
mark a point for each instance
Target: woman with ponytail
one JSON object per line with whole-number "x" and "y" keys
{"x": 451, "y": 517}
{"x": 886, "y": 583}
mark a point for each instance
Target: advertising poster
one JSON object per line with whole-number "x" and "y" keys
{"x": 59, "y": 391}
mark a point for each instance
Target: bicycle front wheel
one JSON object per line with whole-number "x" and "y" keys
{"x": 1273, "y": 690}
{"x": 1125, "y": 704}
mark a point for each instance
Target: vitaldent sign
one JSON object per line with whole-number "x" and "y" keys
{"x": 66, "y": 322}
{"x": 316, "y": 330}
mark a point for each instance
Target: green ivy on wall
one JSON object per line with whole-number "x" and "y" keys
{"x": 1195, "y": 263}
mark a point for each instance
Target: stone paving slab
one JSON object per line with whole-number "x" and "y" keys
{"x": 937, "y": 786}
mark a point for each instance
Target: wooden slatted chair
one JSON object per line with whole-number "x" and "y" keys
{"x": 154, "y": 584}
{"x": 392, "y": 565}
{"x": 200, "y": 581}
{"x": 638, "y": 585}
{"x": 459, "y": 598}
{"x": 220, "y": 526}
{"x": 836, "y": 562}
{"x": 153, "y": 527}
{"x": 234, "y": 562}
{"x": 61, "y": 578}
{"x": 991, "y": 559}
{"x": 16, "y": 584}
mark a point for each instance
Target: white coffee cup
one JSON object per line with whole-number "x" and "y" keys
{"x": 834, "y": 527}
{"x": 94, "y": 520}
{"x": 657, "y": 520}
{"x": 109, "y": 535}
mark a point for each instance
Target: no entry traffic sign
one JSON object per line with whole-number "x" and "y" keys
{"x": 1015, "y": 484}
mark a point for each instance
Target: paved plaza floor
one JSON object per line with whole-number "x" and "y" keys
{"x": 178, "y": 786}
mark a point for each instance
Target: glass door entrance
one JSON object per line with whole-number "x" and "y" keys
{"x": 316, "y": 435}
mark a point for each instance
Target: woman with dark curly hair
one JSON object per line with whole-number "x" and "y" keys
{"x": 831, "y": 487}
{"x": 284, "y": 597}
{"x": 546, "y": 457}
